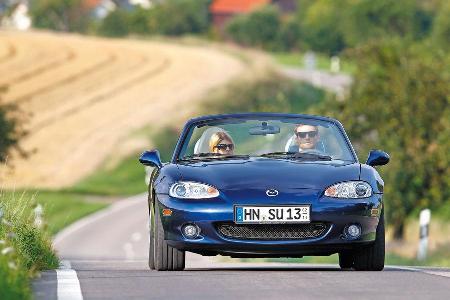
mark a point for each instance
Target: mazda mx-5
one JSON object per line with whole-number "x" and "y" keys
{"x": 265, "y": 185}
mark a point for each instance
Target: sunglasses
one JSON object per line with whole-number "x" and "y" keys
{"x": 227, "y": 147}
{"x": 302, "y": 135}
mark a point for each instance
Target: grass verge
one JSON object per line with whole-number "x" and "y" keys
{"x": 24, "y": 248}
{"x": 296, "y": 59}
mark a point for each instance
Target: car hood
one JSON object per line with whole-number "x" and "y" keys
{"x": 267, "y": 173}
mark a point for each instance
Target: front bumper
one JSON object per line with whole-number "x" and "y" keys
{"x": 206, "y": 214}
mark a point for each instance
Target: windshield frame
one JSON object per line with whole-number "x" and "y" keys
{"x": 206, "y": 120}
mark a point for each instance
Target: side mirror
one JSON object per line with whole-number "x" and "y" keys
{"x": 377, "y": 158}
{"x": 151, "y": 158}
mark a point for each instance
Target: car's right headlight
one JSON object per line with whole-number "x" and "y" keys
{"x": 192, "y": 190}
{"x": 349, "y": 189}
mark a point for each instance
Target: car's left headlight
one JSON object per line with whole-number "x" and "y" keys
{"x": 192, "y": 190}
{"x": 349, "y": 189}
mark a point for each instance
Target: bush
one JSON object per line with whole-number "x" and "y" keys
{"x": 400, "y": 102}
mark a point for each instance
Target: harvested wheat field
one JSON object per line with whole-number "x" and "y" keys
{"x": 85, "y": 94}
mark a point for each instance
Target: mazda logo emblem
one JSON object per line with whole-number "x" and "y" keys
{"x": 272, "y": 193}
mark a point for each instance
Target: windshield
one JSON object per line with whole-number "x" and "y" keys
{"x": 296, "y": 138}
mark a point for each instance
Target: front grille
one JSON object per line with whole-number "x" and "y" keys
{"x": 272, "y": 231}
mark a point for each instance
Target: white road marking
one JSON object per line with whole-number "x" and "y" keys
{"x": 437, "y": 272}
{"x": 68, "y": 287}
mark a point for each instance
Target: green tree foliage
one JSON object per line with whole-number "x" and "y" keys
{"x": 116, "y": 24}
{"x": 366, "y": 19}
{"x": 176, "y": 17}
{"x": 320, "y": 23}
{"x": 259, "y": 28}
{"x": 441, "y": 27}
{"x": 399, "y": 102}
{"x": 10, "y": 132}
{"x": 172, "y": 17}
{"x": 271, "y": 93}
{"x": 60, "y": 15}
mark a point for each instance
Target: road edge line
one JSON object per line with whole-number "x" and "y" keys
{"x": 68, "y": 285}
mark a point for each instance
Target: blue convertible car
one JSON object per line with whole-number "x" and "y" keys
{"x": 265, "y": 185}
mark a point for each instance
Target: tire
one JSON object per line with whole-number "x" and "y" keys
{"x": 151, "y": 248}
{"x": 371, "y": 258}
{"x": 345, "y": 260}
{"x": 167, "y": 258}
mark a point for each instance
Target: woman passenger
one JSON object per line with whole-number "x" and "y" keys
{"x": 221, "y": 143}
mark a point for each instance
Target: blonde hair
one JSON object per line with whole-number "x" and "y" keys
{"x": 216, "y": 138}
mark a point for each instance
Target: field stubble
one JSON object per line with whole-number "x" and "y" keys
{"x": 84, "y": 95}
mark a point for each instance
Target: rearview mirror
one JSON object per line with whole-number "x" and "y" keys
{"x": 377, "y": 158}
{"x": 151, "y": 159}
{"x": 264, "y": 129}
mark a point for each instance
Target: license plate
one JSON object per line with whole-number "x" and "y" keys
{"x": 272, "y": 214}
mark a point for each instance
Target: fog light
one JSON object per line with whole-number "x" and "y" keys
{"x": 353, "y": 231}
{"x": 191, "y": 231}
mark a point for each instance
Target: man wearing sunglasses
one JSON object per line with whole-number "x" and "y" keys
{"x": 307, "y": 137}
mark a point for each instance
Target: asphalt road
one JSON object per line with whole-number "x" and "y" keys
{"x": 108, "y": 251}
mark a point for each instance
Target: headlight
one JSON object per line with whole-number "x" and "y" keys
{"x": 349, "y": 189}
{"x": 192, "y": 190}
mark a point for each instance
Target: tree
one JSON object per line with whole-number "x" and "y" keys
{"x": 259, "y": 28}
{"x": 321, "y": 25}
{"x": 399, "y": 102}
{"x": 176, "y": 17}
{"x": 366, "y": 19}
{"x": 60, "y": 15}
{"x": 115, "y": 24}
{"x": 10, "y": 132}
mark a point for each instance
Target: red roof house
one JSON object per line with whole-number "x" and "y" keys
{"x": 222, "y": 10}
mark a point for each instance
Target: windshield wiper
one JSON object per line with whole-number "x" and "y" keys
{"x": 310, "y": 156}
{"x": 272, "y": 154}
{"x": 210, "y": 156}
{"x": 298, "y": 155}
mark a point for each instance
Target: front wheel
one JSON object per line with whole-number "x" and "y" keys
{"x": 371, "y": 258}
{"x": 166, "y": 258}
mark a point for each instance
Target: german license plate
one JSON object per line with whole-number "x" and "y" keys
{"x": 272, "y": 214}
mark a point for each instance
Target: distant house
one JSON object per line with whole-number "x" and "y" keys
{"x": 222, "y": 10}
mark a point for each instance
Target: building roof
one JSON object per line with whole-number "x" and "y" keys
{"x": 236, "y": 6}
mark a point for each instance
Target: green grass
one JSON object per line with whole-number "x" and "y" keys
{"x": 61, "y": 208}
{"x": 24, "y": 248}
{"x": 296, "y": 59}
{"x": 127, "y": 178}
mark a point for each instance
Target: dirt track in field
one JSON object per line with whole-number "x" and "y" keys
{"x": 86, "y": 94}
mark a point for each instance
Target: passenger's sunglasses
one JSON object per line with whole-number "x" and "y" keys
{"x": 227, "y": 147}
{"x": 302, "y": 135}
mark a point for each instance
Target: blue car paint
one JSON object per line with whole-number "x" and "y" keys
{"x": 244, "y": 182}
